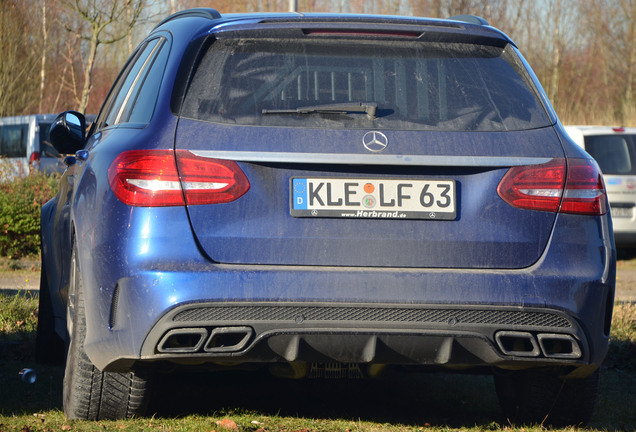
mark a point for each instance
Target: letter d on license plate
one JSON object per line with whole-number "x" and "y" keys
{"x": 373, "y": 198}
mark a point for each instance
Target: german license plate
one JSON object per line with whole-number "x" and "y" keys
{"x": 373, "y": 198}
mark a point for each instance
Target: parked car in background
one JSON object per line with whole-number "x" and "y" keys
{"x": 327, "y": 195}
{"x": 614, "y": 148}
{"x": 25, "y": 145}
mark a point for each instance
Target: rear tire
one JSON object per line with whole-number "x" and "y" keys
{"x": 543, "y": 397}
{"x": 88, "y": 392}
{"x": 50, "y": 348}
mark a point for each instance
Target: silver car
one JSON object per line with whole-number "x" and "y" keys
{"x": 24, "y": 145}
{"x": 614, "y": 148}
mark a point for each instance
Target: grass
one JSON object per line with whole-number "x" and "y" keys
{"x": 255, "y": 402}
{"x": 18, "y": 320}
{"x": 624, "y": 323}
{"x": 28, "y": 264}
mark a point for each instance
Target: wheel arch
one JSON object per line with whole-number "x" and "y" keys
{"x": 52, "y": 266}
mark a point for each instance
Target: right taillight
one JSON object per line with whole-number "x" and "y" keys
{"x": 567, "y": 186}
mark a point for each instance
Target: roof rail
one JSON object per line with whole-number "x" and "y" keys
{"x": 195, "y": 12}
{"x": 471, "y": 19}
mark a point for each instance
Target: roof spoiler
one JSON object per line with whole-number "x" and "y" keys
{"x": 208, "y": 13}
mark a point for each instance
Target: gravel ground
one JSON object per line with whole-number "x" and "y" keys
{"x": 19, "y": 280}
{"x": 626, "y": 283}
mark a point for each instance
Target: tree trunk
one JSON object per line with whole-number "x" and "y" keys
{"x": 88, "y": 73}
{"x": 628, "y": 99}
{"x": 45, "y": 35}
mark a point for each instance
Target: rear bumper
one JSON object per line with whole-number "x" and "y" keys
{"x": 624, "y": 232}
{"x": 165, "y": 301}
{"x": 366, "y": 333}
{"x": 244, "y": 315}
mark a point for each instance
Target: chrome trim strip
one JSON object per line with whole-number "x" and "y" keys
{"x": 370, "y": 159}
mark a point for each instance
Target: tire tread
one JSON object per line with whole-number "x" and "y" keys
{"x": 91, "y": 394}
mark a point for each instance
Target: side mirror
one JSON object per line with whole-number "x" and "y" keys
{"x": 67, "y": 133}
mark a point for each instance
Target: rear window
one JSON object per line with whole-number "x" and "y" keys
{"x": 615, "y": 154}
{"x": 13, "y": 140}
{"x": 416, "y": 85}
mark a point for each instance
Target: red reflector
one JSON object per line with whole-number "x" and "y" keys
{"x": 151, "y": 178}
{"x": 618, "y": 129}
{"x": 573, "y": 187}
{"x": 35, "y": 156}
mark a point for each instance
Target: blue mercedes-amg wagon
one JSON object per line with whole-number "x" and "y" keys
{"x": 326, "y": 192}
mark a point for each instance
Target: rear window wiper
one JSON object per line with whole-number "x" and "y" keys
{"x": 370, "y": 108}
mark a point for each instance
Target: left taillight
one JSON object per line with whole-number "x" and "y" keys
{"x": 568, "y": 186}
{"x": 154, "y": 178}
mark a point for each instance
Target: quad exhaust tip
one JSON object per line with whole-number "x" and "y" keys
{"x": 233, "y": 339}
{"x": 217, "y": 340}
{"x": 188, "y": 340}
{"x": 228, "y": 339}
{"x": 561, "y": 346}
{"x": 526, "y": 344}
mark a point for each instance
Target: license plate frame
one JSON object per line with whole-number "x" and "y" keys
{"x": 373, "y": 198}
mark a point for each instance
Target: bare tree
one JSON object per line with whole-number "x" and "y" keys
{"x": 104, "y": 22}
{"x": 45, "y": 35}
{"x": 628, "y": 24}
{"x": 18, "y": 60}
{"x": 584, "y": 52}
{"x": 558, "y": 43}
{"x": 223, "y": 6}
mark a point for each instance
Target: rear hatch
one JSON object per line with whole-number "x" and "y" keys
{"x": 365, "y": 152}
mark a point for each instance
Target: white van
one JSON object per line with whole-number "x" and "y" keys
{"x": 614, "y": 148}
{"x": 24, "y": 145}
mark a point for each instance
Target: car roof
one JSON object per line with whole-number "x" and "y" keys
{"x": 27, "y": 118}
{"x": 210, "y": 20}
{"x": 578, "y": 132}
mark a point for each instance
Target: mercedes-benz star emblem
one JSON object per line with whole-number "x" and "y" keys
{"x": 375, "y": 141}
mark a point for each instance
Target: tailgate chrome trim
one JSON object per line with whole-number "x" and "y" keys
{"x": 370, "y": 159}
